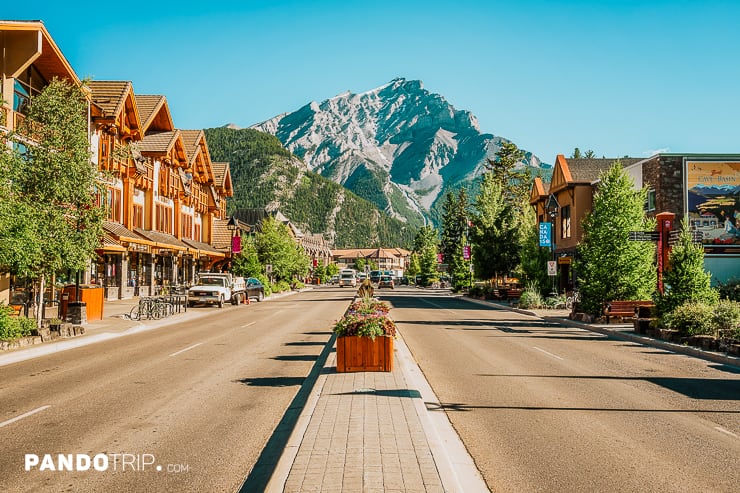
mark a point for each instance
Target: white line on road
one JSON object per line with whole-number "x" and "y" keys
{"x": 18, "y": 418}
{"x": 278, "y": 312}
{"x": 547, "y": 353}
{"x": 186, "y": 349}
{"x": 248, "y": 325}
{"x": 436, "y": 305}
{"x": 727, "y": 432}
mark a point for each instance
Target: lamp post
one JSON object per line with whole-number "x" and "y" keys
{"x": 552, "y": 207}
{"x": 232, "y": 226}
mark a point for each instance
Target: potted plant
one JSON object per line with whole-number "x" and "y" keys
{"x": 365, "y": 337}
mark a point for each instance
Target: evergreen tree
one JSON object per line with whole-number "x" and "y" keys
{"x": 576, "y": 154}
{"x": 454, "y": 228}
{"x": 611, "y": 266}
{"x": 685, "y": 279}
{"x": 494, "y": 234}
{"x": 425, "y": 246}
{"x": 414, "y": 267}
{"x": 533, "y": 266}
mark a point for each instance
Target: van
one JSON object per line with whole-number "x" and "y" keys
{"x": 348, "y": 277}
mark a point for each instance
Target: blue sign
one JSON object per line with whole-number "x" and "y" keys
{"x": 545, "y": 235}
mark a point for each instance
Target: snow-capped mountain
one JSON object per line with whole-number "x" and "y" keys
{"x": 399, "y": 146}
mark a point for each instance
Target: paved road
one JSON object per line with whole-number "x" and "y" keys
{"x": 543, "y": 407}
{"x": 200, "y": 399}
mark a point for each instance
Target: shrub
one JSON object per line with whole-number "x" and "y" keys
{"x": 280, "y": 286}
{"x": 14, "y": 327}
{"x": 727, "y": 317}
{"x": 531, "y": 297}
{"x": 691, "y": 318}
{"x": 729, "y": 291}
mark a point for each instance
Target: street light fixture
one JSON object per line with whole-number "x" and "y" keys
{"x": 551, "y": 208}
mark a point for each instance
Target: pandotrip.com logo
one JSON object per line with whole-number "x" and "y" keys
{"x": 99, "y": 463}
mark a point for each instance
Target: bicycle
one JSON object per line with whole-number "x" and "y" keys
{"x": 573, "y": 300}
{"x": 152, "y": 309}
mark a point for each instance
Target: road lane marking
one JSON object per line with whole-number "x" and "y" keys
{"x": 25, "y": 415}
{"x": 248, "y": 325}
{"x": 727, "y": 432}
{"x": 186, "y": 349}
{"x": 438, "y": 306}
{"x": 278, "y": 312}
{"x": 549, "y": 354}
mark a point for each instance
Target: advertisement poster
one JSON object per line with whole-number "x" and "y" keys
{"x": 713, "y": 190}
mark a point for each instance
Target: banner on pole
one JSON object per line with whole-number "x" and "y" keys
{"x": 545, "y": 235}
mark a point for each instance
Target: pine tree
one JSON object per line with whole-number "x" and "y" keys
{"x": 611, "y": 266}
{"x": 686, "y": 279}
{"x": 425, "y": 246}
{"x": 454, "y": 228}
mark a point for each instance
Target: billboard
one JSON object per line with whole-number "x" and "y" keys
{"x": 713, "y": 200}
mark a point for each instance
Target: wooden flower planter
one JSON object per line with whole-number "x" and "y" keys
{"x": 357, "y": 353}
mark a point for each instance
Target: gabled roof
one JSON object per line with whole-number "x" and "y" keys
{"x": 193, "y": 140}
{"x": 222, "y": 177}
{"x": 221, "y": 236}
{"x": 539, "y": 190}
{"x": 32, "y": 38}
{"x": 159, "y": 142}
{"x": 571, "y": 171}
{"x": 155, "y": 113}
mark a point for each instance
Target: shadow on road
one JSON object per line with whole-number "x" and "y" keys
{"x": 263, "y": 469}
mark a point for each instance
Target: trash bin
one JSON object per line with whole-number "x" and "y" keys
{"x": 91, "y": 296}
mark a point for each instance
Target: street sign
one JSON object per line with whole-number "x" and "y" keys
{"x": 545, "y": 235}
{"x": 696, "y": 236}
{"x": 552, "y": 268}
{"x": 268, "y": 268}
{"x": 644, "y": 235}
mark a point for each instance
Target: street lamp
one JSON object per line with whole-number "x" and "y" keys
{"x": 551, "y": 208}
{"x": 232, "y": 226}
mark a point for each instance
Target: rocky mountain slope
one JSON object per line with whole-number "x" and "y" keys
{"x": 398, "y": 146}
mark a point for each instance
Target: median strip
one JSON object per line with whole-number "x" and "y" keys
{"x": 25, "y": 415}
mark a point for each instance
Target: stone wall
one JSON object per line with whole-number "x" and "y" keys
{"x": 665, "y": 174}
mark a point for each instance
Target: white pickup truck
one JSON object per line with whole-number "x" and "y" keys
{"x": 217, "y": 288}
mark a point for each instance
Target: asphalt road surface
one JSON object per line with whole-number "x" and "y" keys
{"x": 188, "y": 407}
{"x": 544, "y": 407}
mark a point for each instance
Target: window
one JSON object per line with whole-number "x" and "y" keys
{"x": 565, "y": 221}
{"x": 115, "y": 204}
{"x": 650, "y": 200}
{"x": 186, "y": 226}
{"x": 164, "y": 219}
{"x": 138, "y": 218}
{"x": 196, "y": 236}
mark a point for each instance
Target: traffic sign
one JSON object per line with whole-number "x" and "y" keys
{"x": 552, "y": 268}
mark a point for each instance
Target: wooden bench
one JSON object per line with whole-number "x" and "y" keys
{"x": 514, "y": 294}
{"x": 623, "y": 308}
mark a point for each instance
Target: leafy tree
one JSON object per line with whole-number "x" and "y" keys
{"x": 275, "y": 246}
{"x": 247, "y": 263}
{"x": 454, "y": 235}
{"x": 332, "y": 270}
{"x": 414, "y": 267}
{"x": 425, "y": 246}
{"x": 611, "y": 267}
{"x": 49, "y": 219}
{"x": 685, "y": 279}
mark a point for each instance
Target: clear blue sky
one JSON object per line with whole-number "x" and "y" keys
{"x": 619, "y": 77}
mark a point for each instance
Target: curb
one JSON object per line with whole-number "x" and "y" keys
{"x": 715, "y": 357}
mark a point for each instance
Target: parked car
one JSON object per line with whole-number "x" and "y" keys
{"x": 375, "y": 276}
{"x": 386, "y": 282}
{"x": 217, "y": 288}
{"x": 255, "y": 289}
{"x": 334, "y": 279}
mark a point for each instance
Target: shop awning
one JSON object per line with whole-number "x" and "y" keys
{"x": 109, "y": 244}
{"x": 205, "y": 248}
{"x": 165, "y": 241}
{"x": 124, "y": 235}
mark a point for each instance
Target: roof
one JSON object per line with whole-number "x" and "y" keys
{"x": 588, "y": 170}
{"x": 159, "y": 142}
{"x": 50, "y": 61}
{"x": 370, "y": 253}
{"x": 203, "y": 247}
{"x": 192, "y": 140}
{"x": 154, "y": 113}
{"x": 221, "y": 236}
{"x": 163, "y": 239}
{"x": 220, "y": 171}
{"x": 110, "y": 95}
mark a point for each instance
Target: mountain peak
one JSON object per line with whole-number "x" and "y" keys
{"x": 398, "y": 145}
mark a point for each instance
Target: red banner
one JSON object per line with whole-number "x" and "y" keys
{"x": 236, "y": 244}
